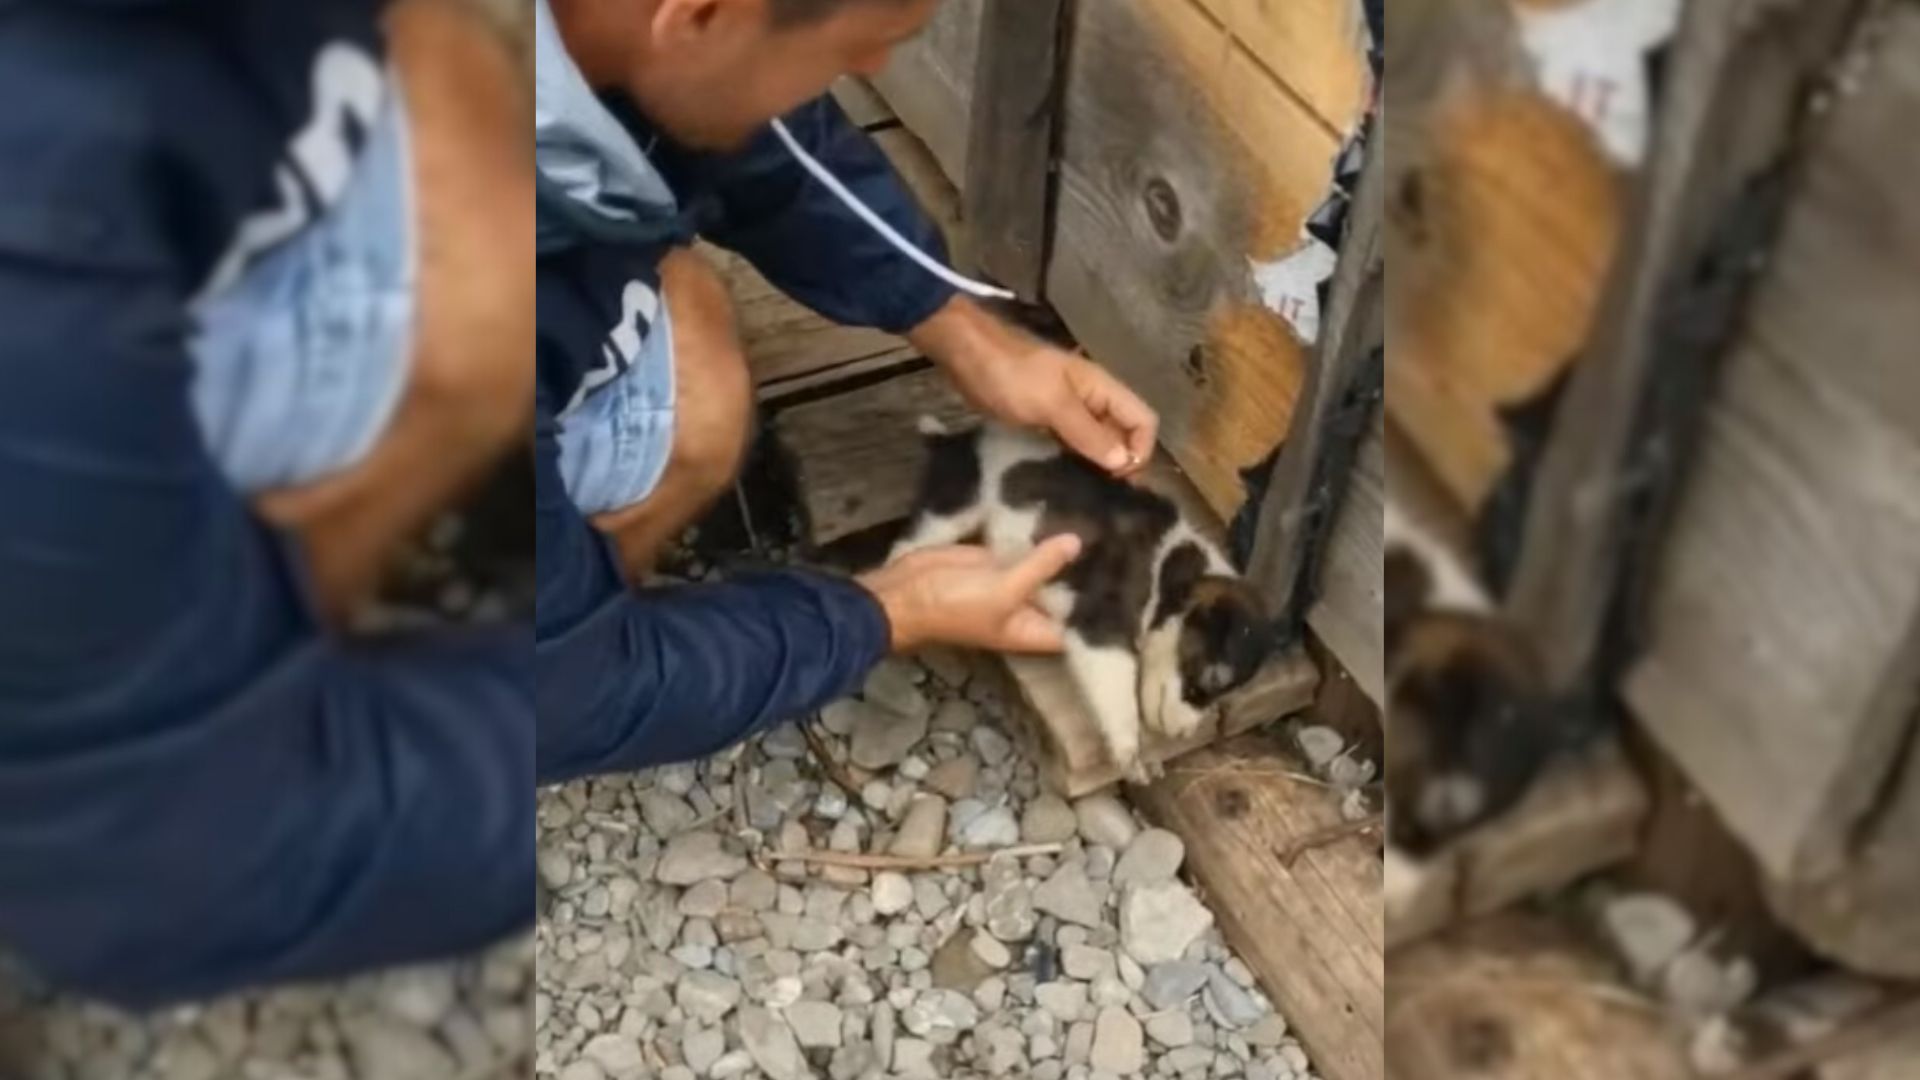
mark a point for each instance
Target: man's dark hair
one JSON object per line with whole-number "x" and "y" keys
{"x": 798, "y": 12}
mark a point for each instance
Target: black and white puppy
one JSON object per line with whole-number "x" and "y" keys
{"x": 1159, "y": 627}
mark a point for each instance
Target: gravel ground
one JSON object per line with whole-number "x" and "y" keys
{"x": 676, "y": 942}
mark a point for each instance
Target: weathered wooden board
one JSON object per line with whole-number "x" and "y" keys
{"x": 862, "y": 103}
{"x": 1315, "y": 48}
{"x": 929, "y": 82}
{"x": 858, "y": 456}
{"x": 1318, "y": 516}
{"x": 1312, "y": 930}
{"x": 1581, "y": 816}
{"x": 1783, "y": 666}
{"x": 1349, "y": 616}
{"x": 1518, "y": 998}
{"x": 1010, "y": 146}
{"x": 1073, "y": 758}
{"x": 1738, "y": 76}
{"x": 1183, "y": 166}
{"x": 786, "y": 342}
{"x": 937, "y": 195}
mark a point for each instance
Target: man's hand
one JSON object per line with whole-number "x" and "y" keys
{"x": 1011, "y": 377}
{"x": 961, "y": 596}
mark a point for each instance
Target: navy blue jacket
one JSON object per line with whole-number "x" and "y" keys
{"x": 200, "y": 788}
{"x": 631, "y": 679}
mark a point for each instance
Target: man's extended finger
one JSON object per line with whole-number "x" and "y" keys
{"x": 1031, "y": 631}
{"x": 1039, "y": 567}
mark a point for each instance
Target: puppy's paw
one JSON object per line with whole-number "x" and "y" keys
{"x": 1175, "y": 718}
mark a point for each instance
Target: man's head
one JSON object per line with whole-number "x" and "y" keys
{"x": 711, "y": 73}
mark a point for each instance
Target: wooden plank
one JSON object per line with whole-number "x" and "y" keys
{"x": 1791, "y": 698}
{"x": 857, "y": 457}
{"x": 935, "y": 193}
{"x": 1010, "y": 150}
{"x": 1315, "y": 48}
{"x": 1311, "y": 931}
{"x": 1581, "y": 816}
{"x": 1312, "y": 474}
{"x": 1073, "y": 759}
{"x": 1732, "y": 101}
{"x": 862, "y": 103}
{"x": 1349, "y": 617}
{"x": 1518, "y": 998}
{"x": 785, "y": 341}
{"x": 1183, "y": 167}
{"x": 929, "y": 82}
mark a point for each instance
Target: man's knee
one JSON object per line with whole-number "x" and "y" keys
{"x": 713, "y": 397}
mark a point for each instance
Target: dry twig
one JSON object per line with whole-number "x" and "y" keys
{"x": 1320, "y": 838}
{"x": 823, "y": 755}
{"x": 864, "y": 861}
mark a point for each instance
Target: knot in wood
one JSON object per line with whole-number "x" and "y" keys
{"x": 1163, "y": 208}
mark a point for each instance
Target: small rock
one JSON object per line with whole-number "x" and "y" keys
{"x": 881, "y": 737}
{"x": 771, "y": 1044}
{"x": 1320, "y": 745}
{"x": 754, "y": 890}
{"x": 1067, "y": 1001}
{"x": 892, "y": 893}
{"x": 786, "y": 741}
{"x": 1230, "y": 1004}
{"x": 1070, "y": 896}
{"x": 1104, "y": 820}
{"x": 958, "y": 716}
{"x": 384, "y": 1047}
{"x": 831, "y": 804}
{"x": 913, "y": 1060}
{"x": 1086, "y": 963}
{"x": 893, "y": 685}
{"x": 704, "y": 900}
{"x": 1698, "y": 985}
{"x": 816, "y": 1024}
{"x": 694, "y": 857}
{"x": 1048, "y": 820}
{"x": 702, "y": 1047}
{"x": 556, "y": 867}
{"x": 1170, "y": 1029}
{"x": 1118, "y": 1046}
{"x": 994, "y": 828}
{"x": 1648, "y": 930}
{"x": 992, "y": 747}
{"x": 956, "y": 779}
{"x": 991, "y": 952}
{"x": 666, "y": 814}
{"x": 941, "y": 1016}
{"x": 618, "y": 1056}
{"x": 1154, "y": 856}
{"x": 706, "y": 995}
{"x": 1158, "y": 922}
{"x": 923, "y": 831}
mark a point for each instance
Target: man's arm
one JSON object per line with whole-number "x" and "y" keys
{"x": 629, "y": 680}
{"x": 200, "y": 789}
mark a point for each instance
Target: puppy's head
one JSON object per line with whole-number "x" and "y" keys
{"x": 1467, "y": 724}
{"x": 1226, "y": 636}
